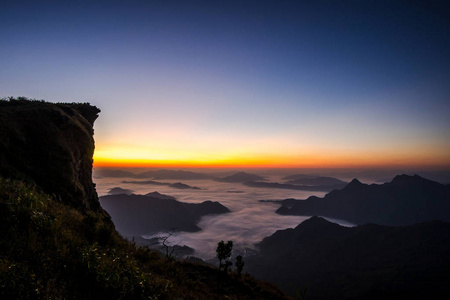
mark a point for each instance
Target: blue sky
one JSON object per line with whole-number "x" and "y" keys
{"x": 292, "y": 83}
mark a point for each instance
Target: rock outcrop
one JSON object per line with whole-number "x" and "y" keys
{"x": 51, "y": 145}
{"x": 56, "y": 242}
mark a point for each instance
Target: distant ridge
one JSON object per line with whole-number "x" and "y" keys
{"x": 174, "y": 174}
{"x": 159, "y": 196}
{"x": 297, "y": 176}
{"x": 241, "y": 177}
{"x": 119, "y": 190}
{"x": 177, "y": 185}
{"x": 156, "y": 175}
{"x": 101, "y": 172}
{"x": 318, "y": 181}
{"x": 403, "y": 201}
{"x": 324, "y": 188}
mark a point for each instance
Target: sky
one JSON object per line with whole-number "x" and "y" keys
{"x": 241, "y": 83}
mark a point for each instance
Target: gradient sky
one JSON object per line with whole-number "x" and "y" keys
{"x": 239, "y": 83}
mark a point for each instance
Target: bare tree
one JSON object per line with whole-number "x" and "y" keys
{"x": 168, "y": 247}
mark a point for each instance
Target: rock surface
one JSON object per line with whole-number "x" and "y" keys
{"x": 51, "y": 145}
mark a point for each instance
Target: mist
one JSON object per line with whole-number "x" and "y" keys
{"x": 249, "y": 221}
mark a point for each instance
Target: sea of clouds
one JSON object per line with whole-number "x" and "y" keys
{"x": 248, "y": 223}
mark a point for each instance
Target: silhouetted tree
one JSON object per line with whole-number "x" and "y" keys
{"x": 223, "y": 252}
{"x": 239, "y": 264}
{"x": 169, "y": 248}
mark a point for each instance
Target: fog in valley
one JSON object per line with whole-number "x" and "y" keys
{"x": 250, "y": 219}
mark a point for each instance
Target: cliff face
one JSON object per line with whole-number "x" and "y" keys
{"x": 69, "y": 249}
{"x": 52, "y": 145}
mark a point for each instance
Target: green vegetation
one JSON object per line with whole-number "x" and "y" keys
{"x": 49, "y": 250}
{"x": 57, "y": 242}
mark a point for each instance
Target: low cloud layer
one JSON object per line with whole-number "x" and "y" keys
{"x": 248, "y": 223}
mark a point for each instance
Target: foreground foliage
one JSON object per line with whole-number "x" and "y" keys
{"x": 49, "y": 250}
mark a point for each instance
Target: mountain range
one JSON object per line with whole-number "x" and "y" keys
{"x": 156, "y": 174}
{"x": 403, "y": 201}
{"x": 276, "y": 185}
{"x": 316, "y": 181}
{"x": 177, "y": 185}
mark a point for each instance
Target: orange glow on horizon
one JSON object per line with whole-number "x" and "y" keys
{"x": 266, "y": 163}
{"x": 179, "y": 157}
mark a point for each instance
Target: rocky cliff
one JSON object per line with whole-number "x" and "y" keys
{"x": 56, "y": 242}
{"x": 51, "y": 145}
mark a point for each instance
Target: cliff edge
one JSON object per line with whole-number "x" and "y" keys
{"x": 51, "y": 145}
{"x": 56, "y": 242}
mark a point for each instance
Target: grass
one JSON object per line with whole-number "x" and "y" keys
{"x": 49, "y": 250}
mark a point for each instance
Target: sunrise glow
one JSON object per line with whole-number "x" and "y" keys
{"x": 138, "y": 158}
{"x": 230, "y": 85}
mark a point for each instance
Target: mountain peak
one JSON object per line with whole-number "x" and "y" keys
{"x": 316, "y": 223}
{"x": 405, "y": 179}
{"x": 315, "y": 220}
{"x": 355, "y": 181}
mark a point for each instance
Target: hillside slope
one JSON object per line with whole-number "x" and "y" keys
{"x": 370, "y": 261}
{"x": 56, "y": 242}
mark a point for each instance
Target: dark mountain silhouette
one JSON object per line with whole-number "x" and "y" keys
{"x": 324, "y": 188}
{"x": 179, "y": 185}
{"x": 438, "y": 176}
{"x": 174, "y": 175}
{"x": 403, "y": 201}
{"x": 297, "y": 176}
{"x": 241, "y": 177}
{"x": 159, "y": 196}
{"x": 318, "y": 181}
{"x": 176, "y": 185}
{"x": 104, "y": 172}
{"x": 140, "y": 215}
{"x": 150, "y": 182}
{"x": 364, "y": 262}
{"x": 119, "y": 190}
{"x": 157, "y": 174}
